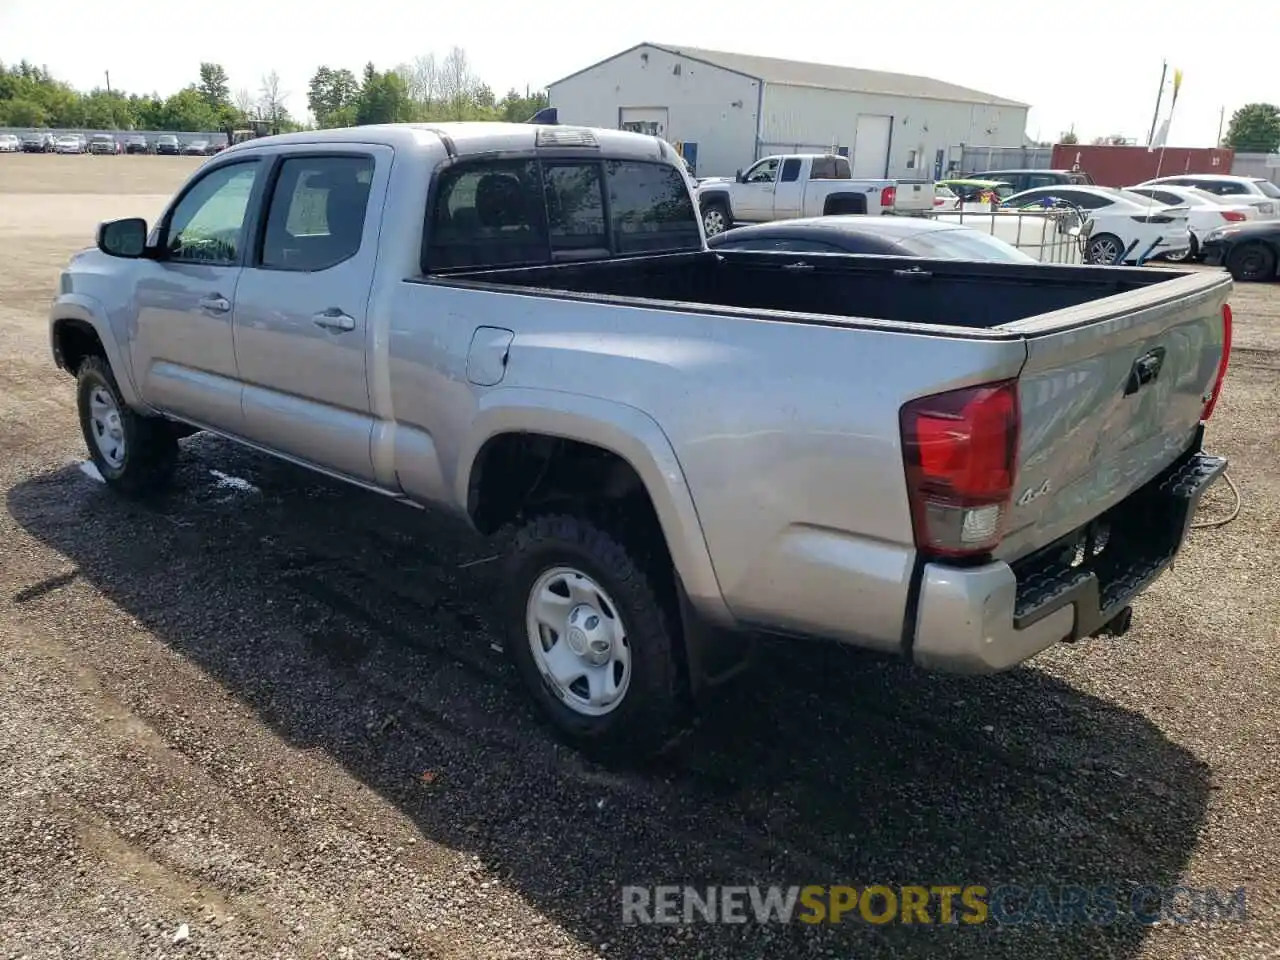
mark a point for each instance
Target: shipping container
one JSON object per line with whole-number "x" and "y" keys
{"x": 1123, "y": 166}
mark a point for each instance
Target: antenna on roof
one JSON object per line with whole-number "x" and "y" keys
{"x": 547, "y": 115}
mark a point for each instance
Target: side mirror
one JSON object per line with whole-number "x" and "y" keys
{"x": 123, "y": 238}
{"x": 738, "y": 176}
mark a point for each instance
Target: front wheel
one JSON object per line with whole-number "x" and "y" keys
{"x": 715, "y": 218}
{"x": 594, "y": 638}
{"x": 134, "y": 454}
{"x": 1252, "y": 263}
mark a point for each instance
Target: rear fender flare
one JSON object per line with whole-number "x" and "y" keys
{"x": 631, "y": 434}
{"x": 717, "y": 196}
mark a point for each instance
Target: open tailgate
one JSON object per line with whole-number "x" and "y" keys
{"x": 1111, "y": 395}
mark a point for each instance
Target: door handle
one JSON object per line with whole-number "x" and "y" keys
{"x": 334, "y": 319}
{"x": 216, "y": 303}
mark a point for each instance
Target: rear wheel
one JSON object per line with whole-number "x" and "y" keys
{"x": 1252, "y": 263}
{"x": 715, "y": 218}
{"x": 1105, "y": 248}
{"x": 594, "y": 636}
{"x": 1192, "y": 253}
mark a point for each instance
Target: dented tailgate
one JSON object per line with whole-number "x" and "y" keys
{"x": 1111, "y": 394}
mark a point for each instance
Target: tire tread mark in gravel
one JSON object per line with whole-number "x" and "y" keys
{"x": 383, "y": 625}
{"x": 45, "y": 587}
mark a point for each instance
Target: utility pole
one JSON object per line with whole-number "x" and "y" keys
{"x": 1164, "y": 72}
{"x": 1222, "y": 115}
{"x": 108, "y": 83}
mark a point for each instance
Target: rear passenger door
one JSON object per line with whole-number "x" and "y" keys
{"x": 301, "y": 315}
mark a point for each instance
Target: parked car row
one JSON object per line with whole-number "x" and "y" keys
{"x": 106, "y": 143}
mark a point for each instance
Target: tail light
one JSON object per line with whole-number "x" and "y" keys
{"x": 1222, "y": 363}
{"x": 960, "y": 450}
{"x": 938, "y": 201}
{"x": 888, "y": 195}
{"x": 1233, "y": 216}
{"x": 1153, "y": 218}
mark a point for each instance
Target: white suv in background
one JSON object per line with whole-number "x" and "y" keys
{"x": 10, "y": 143}
{"x": 1259, "y": 193}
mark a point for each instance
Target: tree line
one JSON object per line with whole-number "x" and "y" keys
{"x": 427, "y": 89}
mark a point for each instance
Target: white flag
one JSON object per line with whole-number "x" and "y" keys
{"x": 1162, "y": 135}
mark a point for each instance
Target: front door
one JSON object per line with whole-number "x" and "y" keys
{"x": 183, "y": 351}
{"x": 753, "y": 198}
{"x": 301, "y": 319}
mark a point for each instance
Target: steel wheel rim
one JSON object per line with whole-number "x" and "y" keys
{"x": 1251, "y": 263}
{"x": 713, "y": 222}
{"x": 578, "y": 641}
{"x": 107, "y": 427}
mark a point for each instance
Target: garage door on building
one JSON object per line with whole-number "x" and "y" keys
{"x": 651, "y": 121}
{"x": 871, "y": 146}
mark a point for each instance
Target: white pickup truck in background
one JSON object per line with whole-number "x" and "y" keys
{"x": 804, "y": 185}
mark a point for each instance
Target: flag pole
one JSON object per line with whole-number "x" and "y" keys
{"x": 1155, "y": 117}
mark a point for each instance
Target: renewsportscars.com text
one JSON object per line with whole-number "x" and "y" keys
{"x": 934, "y": 904}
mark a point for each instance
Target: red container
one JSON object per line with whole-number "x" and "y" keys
{"x": 1114, "y": 166}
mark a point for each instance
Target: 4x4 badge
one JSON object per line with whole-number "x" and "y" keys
{"x": 1033, "y": 493}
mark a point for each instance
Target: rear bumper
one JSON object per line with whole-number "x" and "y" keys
{"x": 992, "y": 617}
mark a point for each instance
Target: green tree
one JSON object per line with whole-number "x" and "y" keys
{"x": 332, "y": 96}
{"x": 22, "y": 113}
{"x": 187, "y": 110}
{"x": 214, "y": 86}
{"x": 1069, "y": 136}
{"x": 1254, "y": 128}
{"x": 517, "y": 108}
{"x": 384, "y": 98}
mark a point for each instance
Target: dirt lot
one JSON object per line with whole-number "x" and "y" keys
{"x": 270, "y": 710}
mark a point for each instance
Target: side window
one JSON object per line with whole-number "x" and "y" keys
{"x": 207, "y": 225}
{"x": 1085, "y": 201}
{"x": 1228, "y": 189}
{"x": 790, "y": 170}
{"x": 487, "y": 214}
{"x": 1041, "y": 180}
{"x": 822, "y": 168}
{"x": 843, "y": 170}
{"x": 317, "y": 212}
{"x": 650, "y": 208}
{"x": 575, "y": 209}
{"x": 764, "y": 172}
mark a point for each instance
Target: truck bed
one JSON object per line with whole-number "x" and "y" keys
{"x": 826, "y": 287}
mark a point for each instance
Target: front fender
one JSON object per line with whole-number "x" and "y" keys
{"x": 631, "y": 434}
{"x": 717, "y": 196}
{"x": 79, "y": 308}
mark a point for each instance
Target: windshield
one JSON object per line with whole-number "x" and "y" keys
{"x": 1268, "y": 188}
{"x": 962, "y": 244}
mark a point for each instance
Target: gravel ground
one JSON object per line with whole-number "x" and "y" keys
{"x": 265, "y": 712}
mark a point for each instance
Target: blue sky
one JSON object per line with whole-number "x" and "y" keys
{"x": 1077, "y": 63}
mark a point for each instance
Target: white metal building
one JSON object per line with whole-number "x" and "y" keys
{"x": 726, "y": 109}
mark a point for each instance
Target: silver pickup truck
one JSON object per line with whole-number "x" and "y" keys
{"x": 958, "y": 463}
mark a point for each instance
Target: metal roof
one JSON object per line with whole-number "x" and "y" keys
{"x": 823, "y": 76}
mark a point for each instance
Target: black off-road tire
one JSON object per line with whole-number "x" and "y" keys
{"x": 1251, "y": 263}
{"x": 150, "y": 443}
{"x": 655, "y": 707}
